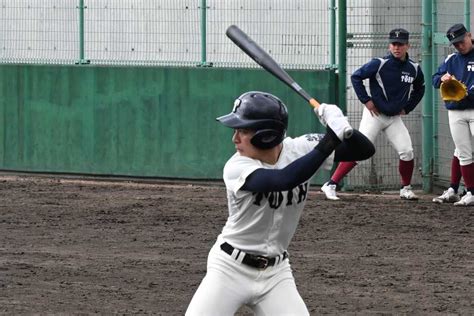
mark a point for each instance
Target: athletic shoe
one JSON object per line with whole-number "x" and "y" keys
{"x": 406, "y": 193}
{"x": 468, "y": 199}
{"x": 448, "y": 196}
{"x": 330, "y": 191}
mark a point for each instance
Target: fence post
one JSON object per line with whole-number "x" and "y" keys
{"x": 332, "y": 33}
{"x": 342, "y": 62}
{"x": 467, "y": 14}
{"x": 81, "y": 60}
{"x": 204, "y": 62}
{"x": 428, "y": 101}
{"x": 436, "y": 36}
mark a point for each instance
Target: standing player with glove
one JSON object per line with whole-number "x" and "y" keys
{"x": 267, "y": 182}
{"x": 455, "y": 78}
{"x": 396, "y": 87}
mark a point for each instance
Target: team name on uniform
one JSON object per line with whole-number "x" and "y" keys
{"x": 407, "y": 78}
{"x": 275, "y": 199}
{"x": 470, "y": 66}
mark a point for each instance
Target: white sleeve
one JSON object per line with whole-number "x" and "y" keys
{"x": 308, "y": 142}
{"x": 236, "y": 171}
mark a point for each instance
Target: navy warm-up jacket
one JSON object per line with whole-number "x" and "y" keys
{"x": 395, "y": 85}
{"x": 461, "y": 67}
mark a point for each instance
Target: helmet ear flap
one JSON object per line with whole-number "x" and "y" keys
{"x": 267, "y": 138}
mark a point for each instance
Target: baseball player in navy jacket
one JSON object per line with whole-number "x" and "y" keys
{"x": 459, "y": 65}
{"x": 396, "y": 87}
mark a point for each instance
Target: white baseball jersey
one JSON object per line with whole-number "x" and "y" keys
{"x": 264, "y": 223}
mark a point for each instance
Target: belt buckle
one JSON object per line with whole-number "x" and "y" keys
{"x": 262, "y": 262}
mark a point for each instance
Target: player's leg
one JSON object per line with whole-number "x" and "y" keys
{"x": 456, "y": 174}
{"x": 461, "y": 124}
{"x": 451, "y": 194}
{"x": 399, "y": 137}
{"x": 281, "y": 296}
{"x": 329, "y": 188}
{"x": 369, "y": 126}
{"x": 214, "y": 296}
{"x": 221, "y": 291}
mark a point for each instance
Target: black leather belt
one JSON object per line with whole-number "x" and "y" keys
{"x": 255, "y": 261}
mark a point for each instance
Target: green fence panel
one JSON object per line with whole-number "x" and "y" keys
{"x": 129, "y": 121}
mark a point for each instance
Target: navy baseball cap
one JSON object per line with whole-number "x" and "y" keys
{"x": 398, "y": 36}
{"x": 456, "y": 33}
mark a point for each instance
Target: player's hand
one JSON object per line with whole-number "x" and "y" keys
{"x": 372, "y": 108}
{"x": 447, "y": 76}
{"x": 331, "y": 116}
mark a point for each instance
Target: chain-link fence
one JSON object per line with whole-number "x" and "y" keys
{"x": 165, "y": 32}
{"x": 368, "y": 28}
{"x": 39, "y": 31}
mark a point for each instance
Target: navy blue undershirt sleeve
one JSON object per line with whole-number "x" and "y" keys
{"x": 358, "y": 147}
{"x": 297, "y": 172}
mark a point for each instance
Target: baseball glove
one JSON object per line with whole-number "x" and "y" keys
{"x": 453, "y": 90}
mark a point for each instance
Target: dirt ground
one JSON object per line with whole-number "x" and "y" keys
{"x": 75, "y": 246}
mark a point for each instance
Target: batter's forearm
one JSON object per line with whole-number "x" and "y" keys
{"x": 297, "y": 172}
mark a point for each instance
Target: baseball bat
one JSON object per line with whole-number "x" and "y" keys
{"x": 261, "y": 57}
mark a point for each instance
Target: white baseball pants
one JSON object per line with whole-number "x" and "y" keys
{"x": 393, "y": 127}
{"x": 228, "y": 285}
{"x": 461, "y": 125}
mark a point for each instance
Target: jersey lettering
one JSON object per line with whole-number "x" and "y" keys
{"x": 303, "y": 192}
{"x": 290, "y": 198}
{"x": 407, "y": 78}
{"x": 470, "y": 67}
{"x": 313, "y": 137}
{"x": 275, "y": 199}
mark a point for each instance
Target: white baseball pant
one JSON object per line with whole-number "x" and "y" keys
{"x": 228, "y": 285}
{"x": 393, "y": 127}
{"x": 461, "y": 125}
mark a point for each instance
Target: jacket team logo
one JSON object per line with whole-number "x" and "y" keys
{"x": 407, "y": 78}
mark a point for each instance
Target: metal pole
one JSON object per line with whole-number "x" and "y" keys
{"x": 427, "y": 110}
{"x": 81, "y": 34}
{"x": 204, "y": 62}
{"x": 467, "y": 14}
{"x": 435, "y": 97}
{"x": 342, "y": 53}
{"x": 332, "y": 33}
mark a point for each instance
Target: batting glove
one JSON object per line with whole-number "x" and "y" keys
{"x": 331, "y": 116}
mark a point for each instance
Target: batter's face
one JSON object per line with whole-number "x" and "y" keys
{"x": 464, "y": 46}
{"x": 241, "y": 139}
{"x": 399, "y": 50}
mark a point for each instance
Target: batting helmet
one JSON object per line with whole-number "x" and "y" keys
{"x": 262, "y": 112}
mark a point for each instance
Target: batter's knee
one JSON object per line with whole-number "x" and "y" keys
{"x": 406, "y": 155}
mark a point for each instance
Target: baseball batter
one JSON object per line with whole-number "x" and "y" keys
{"x": 459, "y": 65}
{"x": 397, "y": 86}
{"x": 267, "y": 182}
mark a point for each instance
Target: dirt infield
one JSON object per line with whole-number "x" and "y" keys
{"x": 70, "y": 246}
